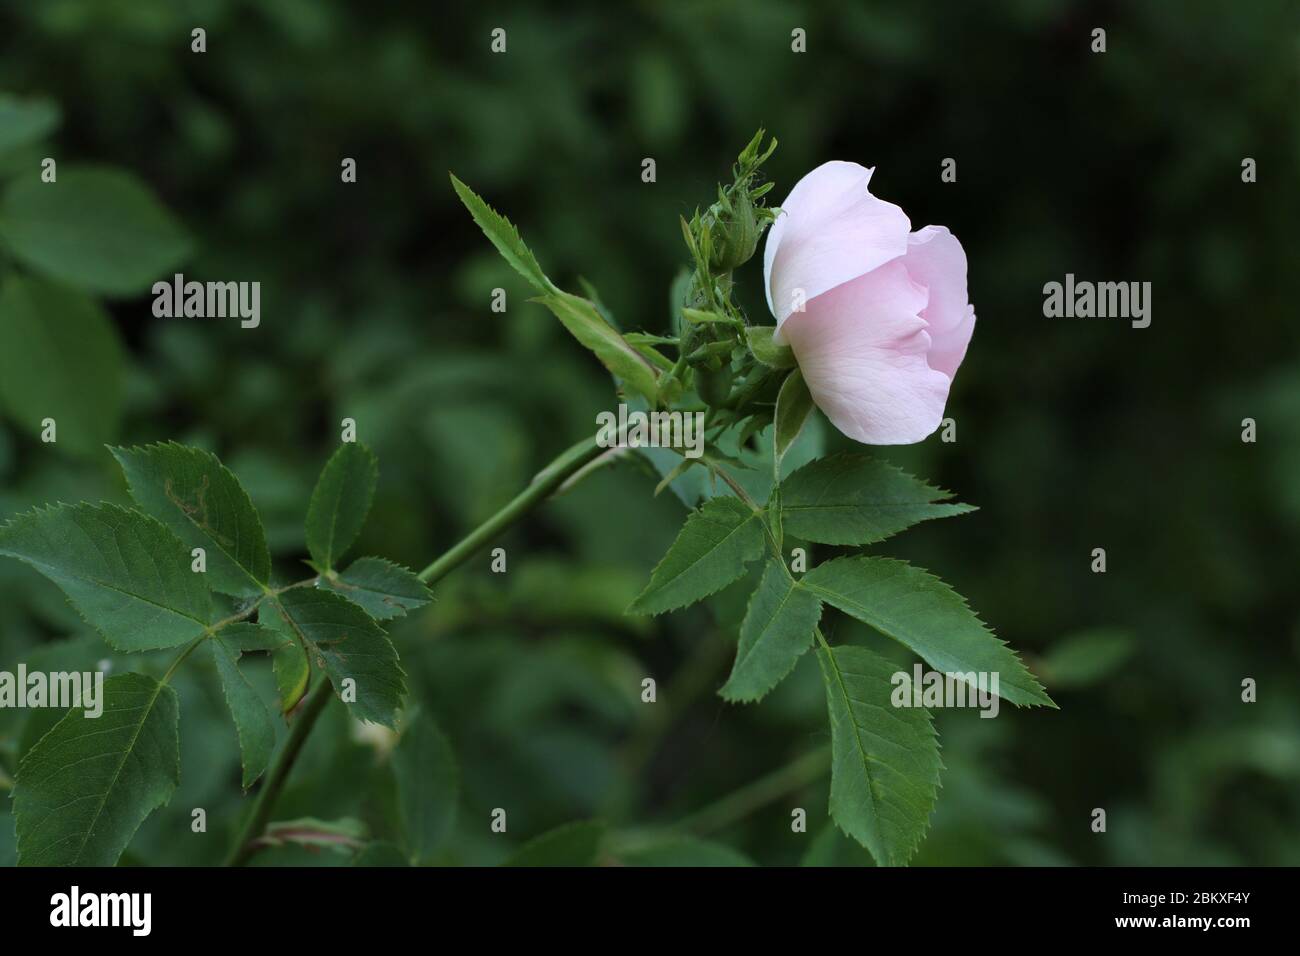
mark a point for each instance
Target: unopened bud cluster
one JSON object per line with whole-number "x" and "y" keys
{"x": 722, "y": 238}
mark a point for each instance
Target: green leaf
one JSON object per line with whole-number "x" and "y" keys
{"x": 60, "y": 358}
{"x": 242, "y": 637}
{"x": 123, "y": 571}
{"x": 383, "y": 589}
{"x": 22, "y": 727}
{"x": 794, "y": 404}
{"x": 678, "y": 296}
{"x": 777, "y": 629}
{"x": 706, "y": 317}
{"x": 581, "y": 317}
{"x": 288, "y": 660}
{"x": 24, "y": 121}
{"x": 292, "y": 674}
{"x": 573, "y": 844}
{"x": 683, "y": 851}
{"x": 8, "y": 839}
{"x": 196, "y": 496}
{"x": 86, "y": 787}
{"x": 428, "y": 786}
{"x": 593, "y": 296}
{"x": 253, "y": 722}
{"x": 768, "y": 352}
{"x": 97, "y": 229}
{"x": 853, "y": 499}
{"x": 921, "y": 612}
{"x": 711, "y": 551}
{"x": 347, "y": 645}
{"x": 884, "y": 759}
{"x": 584, "y": 323}
{"x": 503, "y": 234}
{"x": 1086, "y": 658}
{"x": 340, "y": 503}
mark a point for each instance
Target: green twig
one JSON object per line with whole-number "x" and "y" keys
{"x": 180, "y": 658}
{"x": 739, "y": 804}
{"x": 548, "y": 480}
{"x": 263, "y": 806}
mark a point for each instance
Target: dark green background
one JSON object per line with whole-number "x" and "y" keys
{"x": 1072, "y": 433}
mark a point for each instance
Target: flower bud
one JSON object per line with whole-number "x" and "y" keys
{"x": 714, "y": 385}
{"x": 734, "y": 230}
{"x": 707, "y": 348}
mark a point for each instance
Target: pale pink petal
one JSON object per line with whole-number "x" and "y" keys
{"x": 937, "y": 261}
{"x": 862, "y": 349}
{"x": 830, "y": 230}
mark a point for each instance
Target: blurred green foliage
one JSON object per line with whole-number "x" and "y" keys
{"x": 1072, "y": 434}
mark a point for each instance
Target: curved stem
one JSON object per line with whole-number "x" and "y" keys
{"x": 737, "y": 805}
{"x": 543, "y": 484}
{"x": 270, "y": 792}
{"x": 180, "y": 658}
{"x": 548, "y": 480}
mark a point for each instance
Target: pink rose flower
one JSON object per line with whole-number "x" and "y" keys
{"x": 877, "y": 315}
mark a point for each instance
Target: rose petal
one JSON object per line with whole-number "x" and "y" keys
{"x": 862, "y": 350}
{"x": 937, "y": 261}
{"x": 830, "y": 230}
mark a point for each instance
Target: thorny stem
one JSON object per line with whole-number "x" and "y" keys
{"x": 547, "y": 481}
